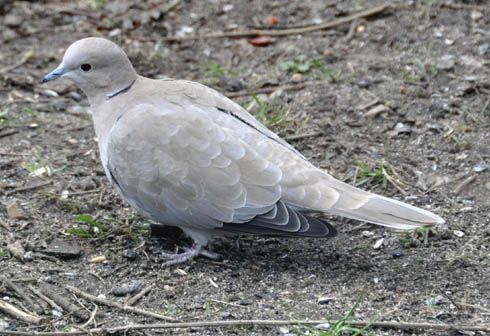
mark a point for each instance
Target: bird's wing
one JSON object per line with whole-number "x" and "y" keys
{"x": 178, "y": 165}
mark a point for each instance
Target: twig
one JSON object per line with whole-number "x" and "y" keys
{"x": 8, "y": 132}
{"x": 29, "y": 187}
{"x": 265, "y": 90}
{"x": 15, "y": 65}
{"x": 45, "y": 298}
{"x": 467, "y": 305}
{"x": 463, "y": 184}
{"x": 17, "y": 313}
{"x": 92, "y": 316}
{"x": 13, "y": 154}
{"x": 302, "y": 136}
{"x": 227, "y": 303}
{"x": 462, "y": 6}
{"x": 286, "y": 32}
{"x": 131, "y": 301}
{"x": 38, "y": 309}
{"x": 171, "y": 6}
{"x": 117, "y": 304}
{"x": 4, "y": 225}
{"x": 214, "y": 324}
{"x": 65, "y": 303}
{"x": 85, "y": 192}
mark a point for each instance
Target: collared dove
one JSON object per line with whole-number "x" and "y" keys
{"x": 183, "y": 154}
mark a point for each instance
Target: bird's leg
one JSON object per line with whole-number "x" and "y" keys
{"x": 189, "y": 253}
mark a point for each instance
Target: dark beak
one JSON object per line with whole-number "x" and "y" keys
{"x": 55, "y": 74}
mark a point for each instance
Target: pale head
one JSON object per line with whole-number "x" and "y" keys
{"x": 97, "y": 66}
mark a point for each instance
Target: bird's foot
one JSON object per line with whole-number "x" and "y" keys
{"x": 188, "y": 254}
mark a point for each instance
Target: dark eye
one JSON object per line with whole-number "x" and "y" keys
{"x": 86, "y": 67}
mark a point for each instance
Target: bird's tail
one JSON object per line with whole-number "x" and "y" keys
{"x": 361, "y": 205}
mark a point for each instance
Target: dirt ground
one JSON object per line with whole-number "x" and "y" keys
{"x": 397, "y": 102}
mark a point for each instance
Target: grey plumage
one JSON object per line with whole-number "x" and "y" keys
{"x": 185, "y": 155}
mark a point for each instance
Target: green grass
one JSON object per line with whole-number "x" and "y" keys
{"x": 371, "y": 176}
{"x": 270, "y": 114}
{"x": 97, "y": 229}
{"x": 340, "y": 327}
{"x": 304, "y": 65}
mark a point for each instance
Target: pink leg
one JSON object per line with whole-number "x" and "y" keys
{"x": 190, "y": 253}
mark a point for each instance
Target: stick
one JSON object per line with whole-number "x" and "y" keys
{"x": 214, "y": 324}
{"x": 117, "y": 304}
{"x": 29, "y": 187}
{"x": 131, "y": 301}
{"x": 302, "y": 136}
{"x": 13, "y": 154}
{"x": 17, "y": 313}
{"x": 37, "y": 308}
{"x": 45, "y": 298}
{"x": 64, "y": 302}
{"x": 4, "y": 225}
{"x": 266, "y": 90}
{"x": 463, "y": 184}
{"x": 8, "y": 132}
{"x": 286, "y": 32}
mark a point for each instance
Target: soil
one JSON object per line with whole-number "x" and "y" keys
{"x": 406, "y": 90}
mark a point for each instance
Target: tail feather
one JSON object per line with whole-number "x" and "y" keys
{"x": 379, "y": 210}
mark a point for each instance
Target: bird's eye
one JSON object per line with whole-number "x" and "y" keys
{"x": 86, "y": 67}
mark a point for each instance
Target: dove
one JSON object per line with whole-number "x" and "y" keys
{"x": 183, "y": 154}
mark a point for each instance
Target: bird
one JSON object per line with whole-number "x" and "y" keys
{"x": 183, "y": 154}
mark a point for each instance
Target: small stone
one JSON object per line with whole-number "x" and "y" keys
{"x": 476, "y": 15}
{"x": 33, "y": 126}
{"x": 458, "y": 233}
{"x": 180, "y": 272}
{"x": 367, "y": 234}
{"x": 63, "y": 249}
{"x": 15, "y": 211}
{"x": 446, "y": 62}
{"x": 480, "y": 167}
{"x": 244, "y": 303}
{"x": 325, "y": 325}
{"x": 482, "y": 50}
{"x": 56, "y": 314}
{"x": 225, "y": 315}
{"x": 375, "y": 111}
{"x": 16, "y": 250}
{"x": 13, "y": 20}
{"x": 133, "y": 287}
{"x": 378, "y": 243}
{"x": 325, "y": 299}
{"x": 397, "y": 253}
{"x": 297, "y": 77}
{"x": 97, "y": 260}
{"x": 130, "y": 254}
{"x": 364, "y": 83}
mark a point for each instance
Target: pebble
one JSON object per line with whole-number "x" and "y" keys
{"x": 64, "y": 249}
{"x": 364, "y": 83}
{"x": 15, "y": 211}
{"x": 375, "y": 111}
{"x": 133, "y": 287}
{"x": 458, "y": 233}
{"x": 225, "y": 315}
{"x": 378, "y": 243}
{"x": 397, "y": 253}
{"x": 325, "y": 299}
{"x": 297, "y": 77}
{"x": 130, "y": 254}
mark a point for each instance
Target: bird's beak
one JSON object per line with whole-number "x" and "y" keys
{"x": 55, "y": 74}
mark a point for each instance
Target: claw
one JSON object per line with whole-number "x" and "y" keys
{"x": 190, "y": 253}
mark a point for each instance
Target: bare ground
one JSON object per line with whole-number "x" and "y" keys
{"x": 407, "y": 89}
